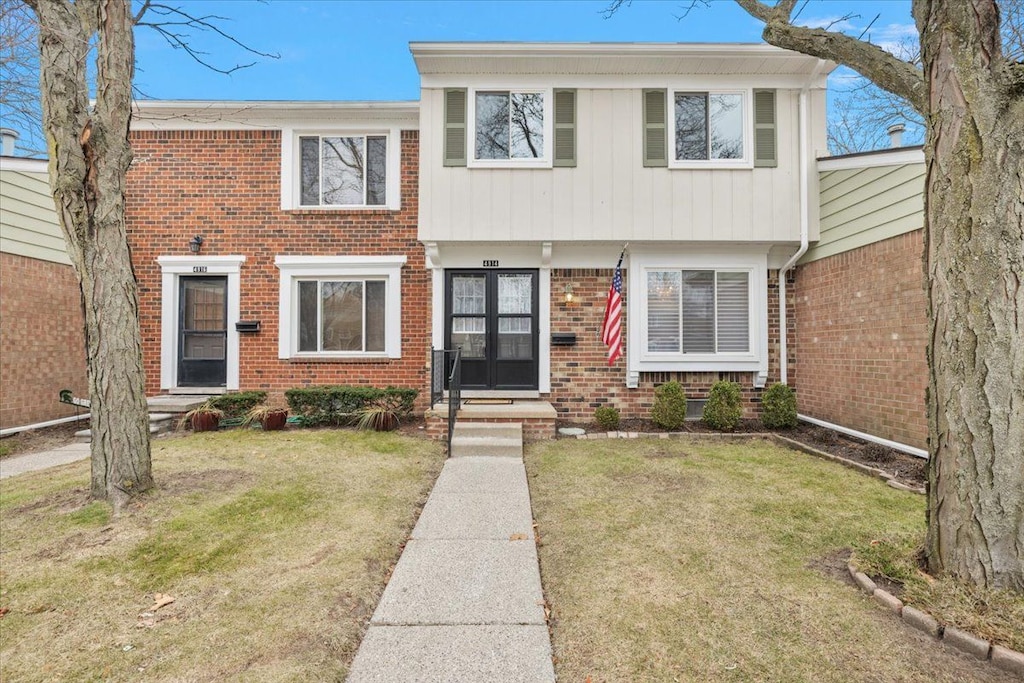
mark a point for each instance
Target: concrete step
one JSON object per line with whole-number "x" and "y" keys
{"x": 176, "y": 404}
{"x": 158, "y": 424}
{"x": 487, "y": 439}
{"x": 85, "y": 435}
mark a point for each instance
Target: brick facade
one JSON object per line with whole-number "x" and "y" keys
{"x": 225, "y": 186}
{"x": 862, "y": 337}
{"x": 42, "y": 340}
{"x": 581, "y": 379}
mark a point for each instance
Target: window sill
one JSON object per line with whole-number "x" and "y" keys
{"x": 718, "y": 365}
{"x": 505, "y": 165}
{"x": 340, "y": 359}
{"x": 710, "y": 166}
{"x": 339, "y": 209}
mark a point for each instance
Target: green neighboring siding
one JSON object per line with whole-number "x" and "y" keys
{"x": 28, "y": 222}
{"x": 862, "y": 206}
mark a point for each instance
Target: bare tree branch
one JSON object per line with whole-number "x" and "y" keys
{"x": 19, "y": 75}
{"x": 180, "y": 38}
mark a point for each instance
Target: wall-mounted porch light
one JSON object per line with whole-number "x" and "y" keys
{"x": 195, "y": 244}
{"x": 570, "y": 297}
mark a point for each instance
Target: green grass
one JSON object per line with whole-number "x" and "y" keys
{"x": 275, "y": 547}
{"x": 667, "y": 560}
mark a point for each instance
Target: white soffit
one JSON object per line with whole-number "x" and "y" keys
{"x": 611, "y": 59}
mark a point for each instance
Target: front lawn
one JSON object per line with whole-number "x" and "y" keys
{"x": 274, "y": 546}
{"x": 666, "y": 560}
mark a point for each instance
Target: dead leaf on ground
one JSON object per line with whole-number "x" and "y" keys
{"x": 161, "y": 600}
{"x": 518, "y": 537}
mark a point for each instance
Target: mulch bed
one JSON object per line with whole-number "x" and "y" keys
{"x": 906, "y": 469}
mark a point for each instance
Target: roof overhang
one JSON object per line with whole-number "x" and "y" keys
{"x": 626, "y": 59}
{"x": 264, "y": 114}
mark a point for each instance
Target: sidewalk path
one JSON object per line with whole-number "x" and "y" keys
{"x": 464, "y": 603}
{"x": 30, "y": 462}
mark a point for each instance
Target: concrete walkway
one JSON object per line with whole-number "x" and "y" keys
{"x": 464, "y": 603}
{"x": 30, "y": 462}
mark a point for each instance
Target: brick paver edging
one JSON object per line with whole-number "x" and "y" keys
{"x": 1002, "y": 657}
{"x": 782, "y": 440}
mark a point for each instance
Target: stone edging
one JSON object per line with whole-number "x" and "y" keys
{"x": 1002, "y": 657}
{"x": 778, "y": 438}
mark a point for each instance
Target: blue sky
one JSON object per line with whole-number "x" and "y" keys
{"x": 332, "y": 50}
{"x": 349, "y": 50}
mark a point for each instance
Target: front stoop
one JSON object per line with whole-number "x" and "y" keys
{"x": 158, "y": 424}
{"x": 485, "y": 438}
{"x": 536, "y": 418}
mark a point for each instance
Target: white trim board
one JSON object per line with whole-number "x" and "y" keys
{"x": 172, "y": 268}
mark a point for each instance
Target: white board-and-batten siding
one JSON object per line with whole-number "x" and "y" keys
{"x": 861, "y": 206}
{"x": 28, "y": 221}
{"x": 610, "y": 195}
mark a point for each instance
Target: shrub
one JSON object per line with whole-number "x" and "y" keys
{"x": 723, "y": 409}
{"x": 778, "y": 407}
{"x": 669, "y": 409}
{"x": 239, "y": 403}
{"x": 607, "y": 417}
{"x": 340, "y": 405}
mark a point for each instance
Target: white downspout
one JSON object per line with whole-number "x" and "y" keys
{"x": 805, "y": 221}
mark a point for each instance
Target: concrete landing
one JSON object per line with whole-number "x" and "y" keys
{"x": 465, "y": 601}
{"x": 489, "y": 439}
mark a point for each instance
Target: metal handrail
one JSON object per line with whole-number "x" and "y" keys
{"x": 454, "y": 395}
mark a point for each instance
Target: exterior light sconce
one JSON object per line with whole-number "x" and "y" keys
{"x": 195, "y": 244}
{"x": 570, "y": 298}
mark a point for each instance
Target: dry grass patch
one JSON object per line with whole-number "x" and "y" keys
{"x": 696, "y": 561}
{"x": 274, "y": 546}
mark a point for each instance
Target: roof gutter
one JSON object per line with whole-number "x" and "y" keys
{"x": 805, "y": 219}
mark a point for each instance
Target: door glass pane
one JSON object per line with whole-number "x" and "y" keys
{"x": 375, "y": 316}
{"x": 342, "y": 316}
{"x": 515, "y": 294}
{"x": 468, "y": 295}
{"x": 514, "y": 339}
{"x": 470, "y": 334}
{"x": 663, "y": 311}
{"x": 204, "y": 305}
{"x": 307, "y": 316}
{"x": 698, "y": 311}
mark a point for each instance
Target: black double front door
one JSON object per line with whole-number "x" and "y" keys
{"x": 202, "y": 331}
{"x": 492, "y": 316}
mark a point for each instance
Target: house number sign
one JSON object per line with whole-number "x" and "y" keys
{"x": 490, "y": 264}
{"x": 199, "y": 269}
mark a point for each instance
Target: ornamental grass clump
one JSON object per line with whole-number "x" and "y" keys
{"x": 723, "y": 409}
{"x": 607, "y": 417}
{"x": 778, "y": 407}
{"x": 669, "y": 409}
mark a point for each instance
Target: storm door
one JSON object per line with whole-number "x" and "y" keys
{"x": 492, "y": 316}
{"x": 202, "y": 332}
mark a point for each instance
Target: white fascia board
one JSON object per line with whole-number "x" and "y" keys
{"x": 597, "y": 49}
{"x": 23, "y": 165}
{"x": 621, "y": 81}
{"x": 894, "y": 157}
{"x": 277, "y": 115}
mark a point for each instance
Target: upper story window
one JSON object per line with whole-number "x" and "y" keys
{"x": 509, "y": 125}
{"x": 343, "y": 170}
{"x": 709, "y": 126}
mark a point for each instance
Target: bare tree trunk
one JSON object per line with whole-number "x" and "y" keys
{"x": 89, "y": 157}
{"x": 975, "y": 268}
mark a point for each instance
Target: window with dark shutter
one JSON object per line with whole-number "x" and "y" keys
{"x": 655, "y": 129}
{"x": 565, "y": 128}
{"x": 765, "y": 147}
{"x": 455, "y": 127}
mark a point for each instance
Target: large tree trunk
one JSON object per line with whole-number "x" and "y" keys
{"x": 975, "y": 268}
{"x": 89, "y": 157}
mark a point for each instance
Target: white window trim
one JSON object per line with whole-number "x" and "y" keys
{"x": 549, "y": 128}
{"x": 748, "y": 130}
{"x": 295, "y": 268}
{"x": 172, "y": 268}
{"x": 640, "y": 360}
{"x": 291, "y": 175}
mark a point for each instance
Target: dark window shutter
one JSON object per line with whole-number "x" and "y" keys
{"x": 765, "y": 152}
{"x": 565, "y": 128}
{"x": 455, "y": 127}
{"x": 655, "y": 128}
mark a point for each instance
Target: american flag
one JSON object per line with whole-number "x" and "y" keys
{"x": 611, "y": 330}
